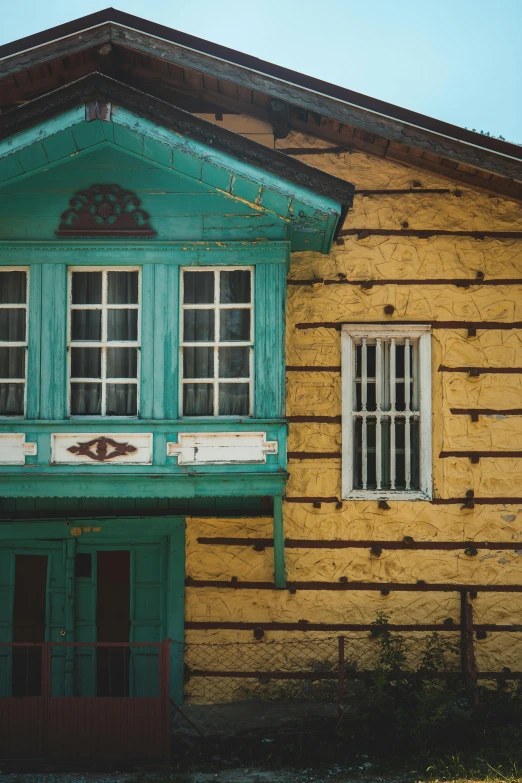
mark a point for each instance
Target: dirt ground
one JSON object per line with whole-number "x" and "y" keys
{"x": 238, "y": 775}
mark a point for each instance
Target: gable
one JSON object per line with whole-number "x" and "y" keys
{"x": 230, "y": 197}
{"x": 180, "y": 208}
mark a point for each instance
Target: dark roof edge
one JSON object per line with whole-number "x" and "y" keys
{"x": 97, "y": 86}
{"x": 253, "y": 63}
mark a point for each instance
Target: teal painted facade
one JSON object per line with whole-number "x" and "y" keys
{"x": 208, "y": 209}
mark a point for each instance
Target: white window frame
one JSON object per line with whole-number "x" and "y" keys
{"x": 103, "y": 344}
{"x": 23, "y": 344}
{"x": 217, "y": 306}
{"x": 350, "y": 336}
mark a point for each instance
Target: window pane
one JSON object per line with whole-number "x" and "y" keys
{"x": 198, "y": 326}
{"x": 86, "y": 325}
{"x": 122, "y": 325}
{"x": 86, "y": 287}
{"x": 198, "y": 287}
{"x": 13, "y": 287}
{"x": 122, "y": 399}
{"x": 235, "y": 325}
{"x": 86, "y": 399}
{"x": 12, "y": 325}
{"x": 12, "y": 362}
{"x": 85, "y": 362}
{"x": 122, "y": 363}
{"x": 234, "y": 362}
{"x": 235, "y": 287}
{"x": 400, "y": 463}
{"x": 198, "y": 399}
{"x": 122, "y": 287}
{"x": 370, "y": 454}
{"x": 233, "y": 399}
{"x": 11, "y": 399}
{"x": 399, "y": 396}
{"x": 198, "y": 362}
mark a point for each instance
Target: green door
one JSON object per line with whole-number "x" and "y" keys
{"x": 40, "y": 568}
{"x": 120, "y": 596}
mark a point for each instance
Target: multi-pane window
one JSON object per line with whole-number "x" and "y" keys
{"x": 386, "y": 412}
{"x": 217, "y": 342}
{"x": 104, "y": 329}
{"x": 13, "y": 341}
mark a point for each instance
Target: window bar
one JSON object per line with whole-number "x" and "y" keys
{"x": 217, "y": 335}
{"x": 364, "y": 399}
{"x": 378, "y": 405}
{"x": 392, "y": 413}
{"x": 407, "y": 444}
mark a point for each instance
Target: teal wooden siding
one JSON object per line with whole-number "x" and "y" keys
{"x": 159, "y": 378}
{"x": 181, "y": 208}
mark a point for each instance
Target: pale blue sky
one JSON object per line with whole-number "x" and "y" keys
{"x": 457, "y": 60}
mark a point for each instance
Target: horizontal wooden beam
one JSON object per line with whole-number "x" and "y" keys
{"x": 211, "y": 625}
{"x": 427, "y": 233}
{"x": 475, "y": 456}
{"x": 502, "y": 325}
{"x": 476, "y": 412}
{"x": 313, "y": 368}
{"x": 386, "y": 587}
{"x": 463, "y": 282}
{"x": 295, "y": 543}
{"x": 316, "y": 419}
{"x": 501, "y": 501}
{"x": 313, "y": 454}
{"x": 482, "y": 370}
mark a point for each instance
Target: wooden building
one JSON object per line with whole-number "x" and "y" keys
{"x": 176, "y": 216}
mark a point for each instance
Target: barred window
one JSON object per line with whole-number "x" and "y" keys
{"x": 13, "y": 341}
{"x": 104, "y": 329}
{"x": 386, "y": 412}
{"x": 217, "y": 341}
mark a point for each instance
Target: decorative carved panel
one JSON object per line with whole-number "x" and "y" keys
{"x": 105, "y": 211}
{"x": 14, "y": 449}
{"x": 102, "y": 448}
{"x": 221, "y": 448}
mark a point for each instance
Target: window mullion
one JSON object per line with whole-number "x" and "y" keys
{"x": 392, "y": 413}
{"x": 364, "y": 400}
{"x": 217, "y": 327}
{"x": 407, "y": 444}
{"x": 378, "y": 405}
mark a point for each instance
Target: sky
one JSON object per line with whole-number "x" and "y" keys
{"x": 456, "y": 60}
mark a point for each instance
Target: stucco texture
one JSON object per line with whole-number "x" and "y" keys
{"x": 312, "y": 392}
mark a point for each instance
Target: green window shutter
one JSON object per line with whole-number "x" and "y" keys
{"x": 269, "y": 340}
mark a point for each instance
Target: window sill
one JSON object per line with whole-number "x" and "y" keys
{"x": 383, "y": 495}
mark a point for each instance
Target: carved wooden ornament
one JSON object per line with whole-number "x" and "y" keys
{"x": 105, "y": 211}
{"x": 102, "y": 451}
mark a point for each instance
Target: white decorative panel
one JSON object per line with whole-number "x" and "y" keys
{"x": 221, "y": 448}
{"x": 108, "y": 448}
{"x": 14, "y": 449}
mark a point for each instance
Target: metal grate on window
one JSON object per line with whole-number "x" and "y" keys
{"x": 386, "y": 415}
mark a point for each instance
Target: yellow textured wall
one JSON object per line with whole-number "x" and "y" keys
{"x": 319, "y": 394}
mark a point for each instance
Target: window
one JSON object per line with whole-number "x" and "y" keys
{"x": 217, "y": 344}
{"x": 13, "y": 341}
{"x": 386, "y": 412}
{"x": 104, "y": 333}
